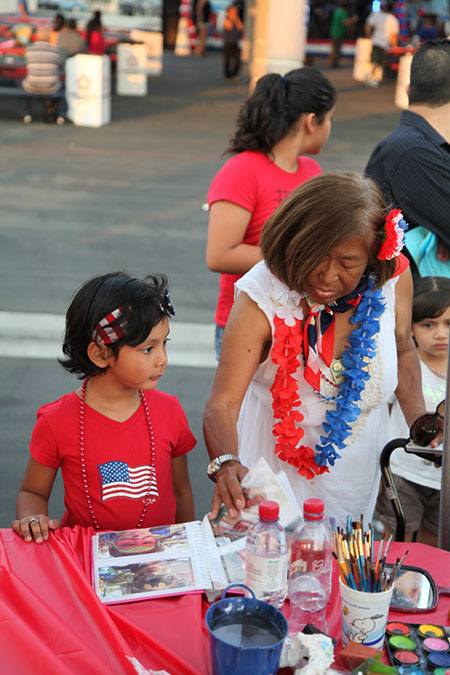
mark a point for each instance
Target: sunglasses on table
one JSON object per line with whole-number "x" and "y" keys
{"x": 426, "y": 427}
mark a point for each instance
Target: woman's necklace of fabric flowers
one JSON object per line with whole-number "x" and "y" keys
{"x": 287, "y": 346}
{"x": 290, "y": 341}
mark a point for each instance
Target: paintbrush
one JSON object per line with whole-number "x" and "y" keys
{"x": 397, "y": 567}
{"x": 386, "y": 550}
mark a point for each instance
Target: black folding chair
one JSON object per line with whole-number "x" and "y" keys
{"x": 388, "y": 479}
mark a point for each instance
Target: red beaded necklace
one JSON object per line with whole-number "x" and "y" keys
{"x": 152, "y": 478}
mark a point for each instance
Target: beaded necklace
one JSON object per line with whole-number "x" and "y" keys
{"x": 152, "y": 479}
{"x": 443, "y": 376}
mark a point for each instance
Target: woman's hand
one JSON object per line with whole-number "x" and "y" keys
{"x": 35, "y": 527}
{"x": 228, "y": 489}
{"x": 247, "y": 335}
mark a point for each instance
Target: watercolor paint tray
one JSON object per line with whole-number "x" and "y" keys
{"x": 416, "y": 648}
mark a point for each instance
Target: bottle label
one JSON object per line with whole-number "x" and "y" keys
{"x": 266, "y": 575}
{"x": 317, "y": 566}
{"x": 306, "y": 556}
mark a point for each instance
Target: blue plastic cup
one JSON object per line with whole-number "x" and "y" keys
{"x": 253, "y": 638}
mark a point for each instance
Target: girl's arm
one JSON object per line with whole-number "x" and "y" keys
{"x": 32, "y": 502}
{"x": 409, "y": 388}
{"x": 225, "y": 251}
{"x": 184, "y": 498}
{"x": 247, "y": 336}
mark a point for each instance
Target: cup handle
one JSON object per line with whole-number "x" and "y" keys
{"x": 237, "y": 586}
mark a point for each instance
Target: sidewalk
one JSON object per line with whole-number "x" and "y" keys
{"x": 138, "y": 184}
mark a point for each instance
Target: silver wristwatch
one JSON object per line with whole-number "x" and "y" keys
{"x": 215, "y": 464}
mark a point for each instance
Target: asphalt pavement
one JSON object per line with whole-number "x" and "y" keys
{"x": 76, "y": 202}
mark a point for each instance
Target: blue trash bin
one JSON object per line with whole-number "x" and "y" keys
{"x": 246, "y": 635}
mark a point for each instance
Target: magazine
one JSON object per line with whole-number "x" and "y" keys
{"x": 189, "y": 557}
{"x": 158, "y": 561}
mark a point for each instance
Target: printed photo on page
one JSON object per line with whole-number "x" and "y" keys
{"x": 142, "y": 542}
{"x": 141, "y": 580}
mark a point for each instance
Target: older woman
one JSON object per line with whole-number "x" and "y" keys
{"x": 317, "y": 342}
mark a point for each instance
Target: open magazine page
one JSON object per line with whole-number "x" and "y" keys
{"x": 159, "y": 561}
{"x": 211, "y": 552}
{"x": 232, "y": 557}
{"x": 259, "y": 484}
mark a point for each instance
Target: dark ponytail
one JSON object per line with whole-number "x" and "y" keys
{"x": 275, "y": 106}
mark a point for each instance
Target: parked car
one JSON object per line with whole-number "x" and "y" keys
{"x": 73, "y": 6}
{"x": 48, "y": 4}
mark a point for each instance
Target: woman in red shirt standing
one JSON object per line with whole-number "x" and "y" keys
{"x": 95, "y": 40}
{"x": 284, "y": 118}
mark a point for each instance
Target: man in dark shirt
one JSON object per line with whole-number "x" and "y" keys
{"x": 412, "y": 165}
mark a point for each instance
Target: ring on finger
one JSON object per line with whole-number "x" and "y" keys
{"x": 32, "y": 520}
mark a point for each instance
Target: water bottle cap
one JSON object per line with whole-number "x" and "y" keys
{"x": 269, "y": 510}
{"x": 313, "y": 509}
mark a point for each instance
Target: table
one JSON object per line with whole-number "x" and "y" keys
{"x": 52, "y": 621}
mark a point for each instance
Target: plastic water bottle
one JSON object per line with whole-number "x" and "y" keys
{"x": 310, "y": 569}
{"x": 266, "y": 563}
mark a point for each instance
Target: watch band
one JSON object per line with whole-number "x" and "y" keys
{"x": 216, "y": 463}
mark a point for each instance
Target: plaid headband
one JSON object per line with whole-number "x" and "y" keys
{"x": 106, "y": 333}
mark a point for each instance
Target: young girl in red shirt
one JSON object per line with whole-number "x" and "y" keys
{"x": 121, "y": 444}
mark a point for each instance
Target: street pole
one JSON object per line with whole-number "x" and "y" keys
{"x": 279, "y": 37}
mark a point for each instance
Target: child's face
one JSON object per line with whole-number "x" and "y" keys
{"x": 141, "y": 367}
{"x": 431, "y": 335}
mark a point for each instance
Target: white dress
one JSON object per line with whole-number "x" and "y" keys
{"x": 411, "y": 467}
{"x": 351, "y": 486}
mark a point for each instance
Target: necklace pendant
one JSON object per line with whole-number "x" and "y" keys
{"x": 337, "y": 371}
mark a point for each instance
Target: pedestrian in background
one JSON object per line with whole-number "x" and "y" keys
{"x": 232, "y": 31}
{"x": 203, "y": 14}
{"x": 95, "y": 40}
{"x": 383, "y": 28}
{"x": 341, "y": 24}
{"x": 44, "y": 64}
{"x": 58, "y": 23}
{"x": 70, "y": 40}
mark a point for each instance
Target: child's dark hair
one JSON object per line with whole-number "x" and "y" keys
{"x": 431, "y": 298}
{"x": 144, "y": 303}
{"x": 276, "y": 105}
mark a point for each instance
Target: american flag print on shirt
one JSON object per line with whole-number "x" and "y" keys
{"x": 119, "y": 480}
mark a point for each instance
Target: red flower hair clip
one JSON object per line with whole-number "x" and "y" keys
{"x": 393, "y": 235}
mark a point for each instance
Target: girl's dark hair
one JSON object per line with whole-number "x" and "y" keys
{"x": 318, "y": 216}
{"x": 275, "y": 106}
{"x": 143, "y": 301}
{"x": 431, "y": 298}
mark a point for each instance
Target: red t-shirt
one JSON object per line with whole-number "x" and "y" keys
{"x": 116, "y": 456}
{"x": 253, "y": 181}
{"x": 97, "y": 44}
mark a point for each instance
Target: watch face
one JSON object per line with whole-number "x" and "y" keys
{"x": 213, "y": 467}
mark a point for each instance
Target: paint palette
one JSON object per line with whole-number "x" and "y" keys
{"x": 418, "y": 649}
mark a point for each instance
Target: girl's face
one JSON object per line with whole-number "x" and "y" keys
{"x": 431, "y": 335}
{"x": 339, "y": 273}
{"x": 141, "y": 367}
{"x": 320, "y": 135}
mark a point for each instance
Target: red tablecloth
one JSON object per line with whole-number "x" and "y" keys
{"x": 51, "y": 621}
